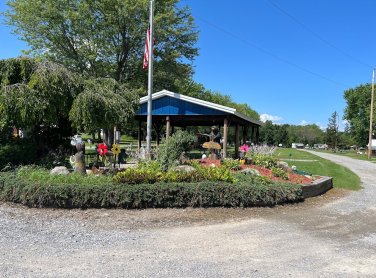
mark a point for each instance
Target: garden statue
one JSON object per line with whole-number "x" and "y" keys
{"x": 214, "y": 143}
{"x": 79, "y": 158}
{"x": 80, "y": 166}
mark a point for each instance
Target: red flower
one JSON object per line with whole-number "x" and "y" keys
{"x": 102, "y": 149}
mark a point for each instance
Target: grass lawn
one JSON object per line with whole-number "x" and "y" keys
{"x": 342, "y": 176}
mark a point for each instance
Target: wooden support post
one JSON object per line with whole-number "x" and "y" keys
{"x": 158, "y": 128}
{"x": 236, "y": 140}
{"x": 225, "y": 129}
{"x": 245, "y": 131}
{"x": 139, "y": 135}
{"x": 253, "y": 134}
{"x": 257, "y": 135}
{"x": 168, "y": 126}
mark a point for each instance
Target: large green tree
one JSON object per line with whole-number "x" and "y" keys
{"x": 106, "y": 38}
{"x": 37, "y": 96}
{"x": 104, "y": 103}
{"x": 357, "y": 112}
{"x": 46, "y": 100}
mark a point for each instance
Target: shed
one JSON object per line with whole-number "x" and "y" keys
{"x": 172, "y": 109}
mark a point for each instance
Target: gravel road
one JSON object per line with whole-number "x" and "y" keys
{"x": 333, "y": 235}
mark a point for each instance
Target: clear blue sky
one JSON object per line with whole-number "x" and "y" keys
{"x": 288, "y": 59}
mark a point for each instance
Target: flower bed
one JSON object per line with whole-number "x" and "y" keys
{"x": 292, "y": 177}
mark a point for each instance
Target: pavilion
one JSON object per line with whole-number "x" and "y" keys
{"x": 170, "y": 109}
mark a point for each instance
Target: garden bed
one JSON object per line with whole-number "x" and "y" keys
{"x": 292, "y": 177}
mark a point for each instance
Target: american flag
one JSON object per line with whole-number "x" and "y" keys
{"x": 146, "y": 53}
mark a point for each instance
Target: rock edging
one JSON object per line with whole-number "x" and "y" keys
{"x": 317, "y": 187}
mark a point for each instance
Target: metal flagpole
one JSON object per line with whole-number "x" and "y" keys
{"x": 371, "y": 117}
{"x": 150, "y": 81}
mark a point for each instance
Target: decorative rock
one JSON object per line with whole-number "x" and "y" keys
{"x": 184, "y": 168}
{"x": 59, "y": 170}
{"x": 250, "y": 171}
{"x": 283, "y": 165}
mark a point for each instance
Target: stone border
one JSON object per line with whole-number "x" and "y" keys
{"x": 317, "y": 187}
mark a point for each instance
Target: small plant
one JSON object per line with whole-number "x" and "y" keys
{"x": 138, "y": 176}
{"x": 231, "y": 164}
{"x": 150, "y": 173}
{"x": 279, "y": 172}
{"x": 265, "y": 161}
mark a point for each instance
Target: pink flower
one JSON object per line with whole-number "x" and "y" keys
{"x": 244, "y": 148}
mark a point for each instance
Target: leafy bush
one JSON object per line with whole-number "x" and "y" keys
{"x": 215, "y": 174}
{"x": 245, "y": 193}
{"x": 17, "y": 153}
{"x": 168, "y": 153}
{"x": 279, "y": 172}
{"x": 265, "y": 161}
{"x": 231, "y": 164}
{"x": 137, "y": 176}
{"x": 149, "y": 172}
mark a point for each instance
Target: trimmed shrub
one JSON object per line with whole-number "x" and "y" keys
{"x": 248, "y": 192}
{"x": 170, "y": 151}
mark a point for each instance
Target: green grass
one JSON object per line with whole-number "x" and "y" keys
{"x": 35, "y": 174}
{"x": 342, "y": 176}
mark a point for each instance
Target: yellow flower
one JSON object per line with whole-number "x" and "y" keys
{"x": 115, "y": 149}
{"x": 242, "y": 161}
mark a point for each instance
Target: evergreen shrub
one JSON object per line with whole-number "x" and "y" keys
{"x": 170, "y": 151}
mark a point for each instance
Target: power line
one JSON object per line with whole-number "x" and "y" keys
{"x": 309, "y": 30}
{"x": 270, "y": 53}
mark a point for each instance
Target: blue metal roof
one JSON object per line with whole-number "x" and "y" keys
{"x": 167, "y": 105}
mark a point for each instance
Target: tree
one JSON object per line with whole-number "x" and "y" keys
{"x": 37, "y": 96}
{"x": 48, "y": 101}
{"x": 332, "y": 131}
{"x": 357, "y": 112}
{"x": 267, "y": 132}
{"x": 281, "y": 135}
{"x": 104, "y": 103}
{"x": 106, "y": 38}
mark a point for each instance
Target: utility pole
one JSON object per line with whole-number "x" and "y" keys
{"x": 371, "y": 117}
{"x": 150, "y": 81}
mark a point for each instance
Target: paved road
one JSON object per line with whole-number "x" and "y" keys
{"x": 331, "y": 238}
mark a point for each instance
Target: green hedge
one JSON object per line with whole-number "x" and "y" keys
{"x": 158, "y": 195}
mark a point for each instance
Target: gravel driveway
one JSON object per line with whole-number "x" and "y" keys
{"x": 333, "y": 235}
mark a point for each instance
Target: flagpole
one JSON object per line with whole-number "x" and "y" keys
{"x": 150, "y": 81}
{"x": 371, "y": 117}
